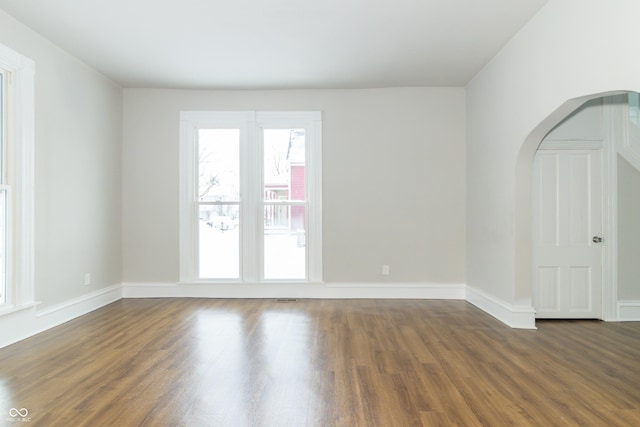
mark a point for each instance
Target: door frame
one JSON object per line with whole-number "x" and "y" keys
{"x": 615, "y": 110}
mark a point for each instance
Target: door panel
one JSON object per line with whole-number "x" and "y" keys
{"x": 580, "y": 289}
{"x": 567, "y": 193}
{"x": 548, "y": 290}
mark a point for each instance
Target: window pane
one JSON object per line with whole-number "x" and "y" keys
{"x": 219, "y": 165}
{"x": 284, "y": 164}
{"x": 219, "y": 244}
{"x": 285, "y": 255}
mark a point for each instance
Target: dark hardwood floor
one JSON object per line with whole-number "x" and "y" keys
{"x": 197, "y": 362}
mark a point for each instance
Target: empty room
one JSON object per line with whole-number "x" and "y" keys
{"x": 296, "y": 213}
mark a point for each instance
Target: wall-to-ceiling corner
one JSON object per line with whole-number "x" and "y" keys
{"x": 78, "y": 139}
{"x": 570, "y": 51}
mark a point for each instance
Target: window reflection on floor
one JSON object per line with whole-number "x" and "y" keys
{"x": 221, "y": 370}
{"x": 242, "y": 371}
{"x": 6, "y": 400}
{"x": 286, "y": 352}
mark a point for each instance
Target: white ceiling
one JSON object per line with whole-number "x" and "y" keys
{"x": 279, "y": 43}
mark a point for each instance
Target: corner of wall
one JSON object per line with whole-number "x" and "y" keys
{"x": 517, "y": 317}
{"x": 20, "y": 324}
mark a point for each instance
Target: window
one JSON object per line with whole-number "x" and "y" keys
{"x": 250, "y": 196}
{"x": 16, "y": 180}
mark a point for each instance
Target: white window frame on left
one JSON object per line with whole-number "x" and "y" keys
{"x": 18, "y": 147}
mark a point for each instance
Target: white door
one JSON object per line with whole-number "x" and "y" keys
{"x": 567, "y": 233}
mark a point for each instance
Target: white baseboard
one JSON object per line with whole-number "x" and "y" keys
{"x": 293, "y": 290}
{"x": 514, "y": 316}
{"x": 629, "y": 311}
{"x": 23, "y": 323}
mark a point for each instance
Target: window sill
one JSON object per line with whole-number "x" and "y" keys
{"x": 241, "y": 283}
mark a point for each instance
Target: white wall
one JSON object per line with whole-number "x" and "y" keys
{"x": 78, "y": 131}
{"x": 393, "y": 179}
{"x": 628, "y": 231}
{"x": 570, "y": 51}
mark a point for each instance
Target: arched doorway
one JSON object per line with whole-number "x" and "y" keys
{"x": 568, "y": 215}
{"x": 523, "y": 212}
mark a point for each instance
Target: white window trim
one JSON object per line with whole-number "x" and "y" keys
{"x": 20, "y": 173}
{"x": 250, "y": 124}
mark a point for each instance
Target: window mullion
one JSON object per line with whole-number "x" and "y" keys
{"x": 250, "y": 196}
{"x": 257, "y": 181}
{"x": 285, "y": 202}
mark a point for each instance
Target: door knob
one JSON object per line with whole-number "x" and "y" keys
{"x": 597, "y": 239}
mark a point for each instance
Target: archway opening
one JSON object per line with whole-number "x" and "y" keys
{"x": 523, "y": 211}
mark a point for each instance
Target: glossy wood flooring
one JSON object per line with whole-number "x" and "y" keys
{"x": 190, "y": 362}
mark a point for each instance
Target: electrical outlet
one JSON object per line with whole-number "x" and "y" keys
{"x": 87, "y": 278}
{"x": 385, "y": 270}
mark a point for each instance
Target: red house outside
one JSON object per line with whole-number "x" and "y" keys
{"x": 287, "y": 185}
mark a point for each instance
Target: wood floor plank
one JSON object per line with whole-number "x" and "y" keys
{"x": 209, "y": 362}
